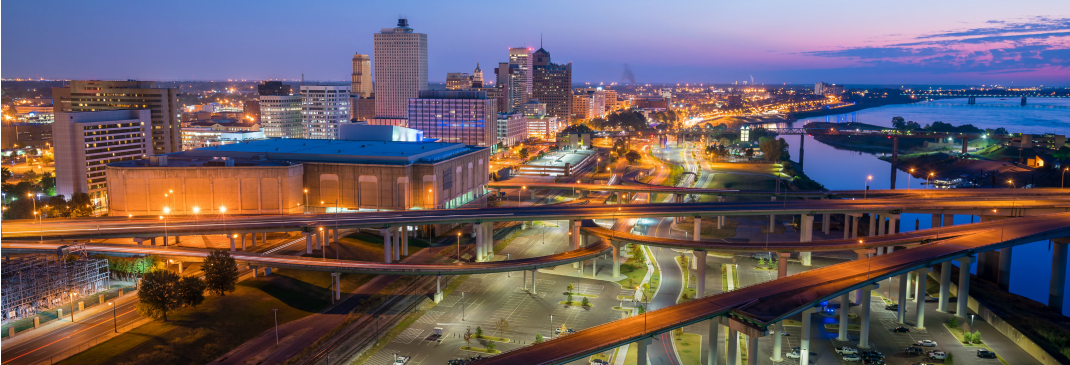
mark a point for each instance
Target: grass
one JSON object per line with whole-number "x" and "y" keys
{"x": 200, "y": 335}
{"x": 584, "y": 295}
{"x": 495, "y": 339}
{"x": 633, "y": 354}
{"x": 709, "y": 228}
{"x": 724, "y": 277}
{"x": 602, "y": 357}
{"x": 957, "y": 332}
{"x": 544, "y": 224}
{"x": 576, "y": 303}
{"x": 480, "y": 350}
{"x": 688, "y": 293}
{"x": 742, "y": 182}
{"x": 689, "y": 347}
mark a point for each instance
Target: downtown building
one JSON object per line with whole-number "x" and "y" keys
{"x": 455, "y": 116}
{"x": 89, "y": 96}
{"x": 552, "y": 84}
{"x": 85, "y": 142}
{"x": 400, "y": 72}
{"x": 539, "y": 124}
{"x": 280, "y": 112}
{"x": 512, "y": 128}
{"x": 323, "y": 109}
{"x": 361, "y": 84}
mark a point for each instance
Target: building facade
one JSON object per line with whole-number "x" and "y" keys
{"x": 458, "y": 81}
{"x": 552, "y": 84}
{"x": 361, "y": 84}
{"x": 520, "y": 58}
{"x": 361, "y": 108}
{"x": 323, "y": 108}
{"x": 465, "y": 116}
{"x": 88, "y": 96}
{"x": 400, "y": 72}
{"x": 87, "y": 141}
{"x": 280, "y": 116}
{"x": 512, "y": 128}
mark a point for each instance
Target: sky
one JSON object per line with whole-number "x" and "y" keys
{"x": 982, "y": 42}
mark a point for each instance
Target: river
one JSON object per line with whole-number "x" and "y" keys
{"x": 839, "y": 169}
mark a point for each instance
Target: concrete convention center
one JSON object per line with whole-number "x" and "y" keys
{"x": 270, "y": 177}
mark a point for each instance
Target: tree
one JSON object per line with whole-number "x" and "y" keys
{"x": 641, "y": 308}
{"x": 570, "y": 288}
{"x": 538, "y": 338}
{"x": 749, "y": 152}
{"x": 191, "y": 290}
{"x": 6, "y": 174}
{"x": 633, "y": 156}
{"x": 774, "y": 150}
{"x": 953, "y": 323}
{"x": 977, "y": 337}
{"x": 501, "y": 328}
{"x": 899, "y": 123}
{"x": 490, "y": 346}
{"x": 220, "y": 272}
{"x": 950, "y": 359}
{"x": 31, "y": 177}
{"x": 158, "y": 294}
{"x": 585, "y": 302}
{"x": 468, "y": 336}
{"x": 568, "y": 298}
{"x": 479, "y": 332}
{"x": 80, "y": 205}
{"x": 524, "y": 154}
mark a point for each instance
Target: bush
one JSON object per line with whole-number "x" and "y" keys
{"x": 568, "y": 298}
{"x": 479, "y": 332}
{"x": 953, "y": 323}
{"x": 585, "y": 302}
{"x": 538, "y": 338}
{"x": 490, "y": 345}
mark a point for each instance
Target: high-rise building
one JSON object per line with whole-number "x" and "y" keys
{"x": 597, "y": 101}
{"x": 540, "y": 125}
{"x": 461, "y": 116}
{"x": 611, "y": 100}
{"x": 458, "y": 81}
{"x": 477, "y": 77}
{"x": 400, "y": 72}
{"x": 552, "y": 84}
{"x": 87, "y": 141}
{"x": 581, "y": 107}
{"x": 362, "y": 76}
{"x": 361, "y": 108}
{"x": 521, "y": 57}
{"x": 323, "y": 108}
{"x": 280, "y": 112}
{"x": 250, "y": 110}
{"x": 273, "y": 88}
{"x": 88, "y": 96}
{"x": 823, "y": 88}
{"x": 512, "y": 128}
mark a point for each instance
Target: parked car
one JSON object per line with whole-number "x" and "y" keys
{"x": 892, "y": 307}
{"x": 852, "y": 358}
{"x": 937, "y": 355}
{"x": 926, "y": 343}
{"x": 914, "y": 350}
{"x": 872, "y": 353}
{"x": 794, "y": 355}
{"x": 901, "y": 329}
{"x": 764, "y": 256}
{"x": 984, "y": 353}
{"x": 846, "y": 350}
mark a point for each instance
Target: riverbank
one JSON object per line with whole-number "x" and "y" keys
{"x": 865, "y": 103}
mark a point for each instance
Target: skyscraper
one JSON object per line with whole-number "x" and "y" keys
{"x": 280, "y": 112}
{"x": 462, "y": 116}
{"x": 87, "y": 96}
{"x": 552, "y": 84}
{"x": 400, "y": 72}
{"x": 323, "y": 108}
{"x": 85, "y": 142}
{"x": 362, "y": 76}
{"x": 521, "y": 57}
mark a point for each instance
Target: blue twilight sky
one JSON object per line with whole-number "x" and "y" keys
{"x": 1011, "y": 43}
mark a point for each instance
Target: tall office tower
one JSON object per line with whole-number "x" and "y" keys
{"x": 461, "y": 116}
{"x": 521, "y": 57}
{"x": 88, "y": 96}
{"x": 611, "y": 100}
{"x": 477, "y": 77}
{"x": 87, "y": 141}
{"x": 274, "y": 88}
{"x": 458, "y": 81}
{"x": 581, "y": 107}
{"x": 400, "y": 72}
{"x": 362, "y": 76}
{"x": 552, "y": 84}
{"x": 597, "y": 101}
{"x": 323, "y": 108}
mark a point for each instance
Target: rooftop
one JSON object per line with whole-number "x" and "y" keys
{"x": 325, "y": 150}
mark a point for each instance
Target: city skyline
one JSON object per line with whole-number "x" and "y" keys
{"x": 949, "y": 43}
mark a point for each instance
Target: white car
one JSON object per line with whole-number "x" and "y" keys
{"x": 846, "y": 350}
{"x": 926, "y": 343}
{"x": 937, "y": 355}
{"x": 794, "y": 355}
{"x": 852, "y": 358}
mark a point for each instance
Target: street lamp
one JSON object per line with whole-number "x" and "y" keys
{"x": 462, "y": 307}
{"x": 458, "y": 246}
{"x": 927, "y": 180}
{"x": 73, "y": 293}
{"x": 114, "y": 321}
{"x": 910, "y": 177}
{"x": 276, "y": 326}
{"x": 865, "y": 191}
{"x": 518, "y": 193}
{"x": 1063, "y": 183}
{"x": 223, "y": 211}
{"x": 166, "y": 212}
{"x": 306, "y": 201}
{"x": 551, "y": 326}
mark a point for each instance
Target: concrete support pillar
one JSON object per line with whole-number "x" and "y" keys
{"x": 1058, "y": 277}
{"x": 782, "y": 264}
{"x": 1005, "y": 268}
{"x": 404, "y": 239}
{"x": 854, "y": 225}
{"x": 255, "y": 269}
{"x": 880, "y": 225}
{"x": 872, "y": 224}
{"x": 488, "y": 230}
{"x": 337, "y": 286}
{"x": 180, "y": 268}
{"x": 267, "y": 271}
{"x": 232, "y": 245}
{"x": 387, "y": 255}
{"x": 936, "y": 221}
{"x": 862, "y": 255}
{"x": 772, "y": 223}
{"x": 697, "y": 231}
{"x": 616, "y": 259}
{"x": 397, "y": 243}
{"x": 574, "y": 238}
{"x": 806, "y": 225}
{"x": 826, "y": 223}
{"x": 863, "y": 336}
{"x": 254, "y": 239}
{"x": 949, "y": 220}
{"x": 964, "y": 286}
{"x": 263, "y": 237}
{"x": 480, "y": 247}
{"x": 904, "y": 281}
{"x": 732, "y": 347}
{"x": 700, "y": 274}
{"x": 720, "y": 221}
{"x": 804, "y": 343}
{"x": 641, "y": 351}
{"x": 845, "y": 308}
{"x": 945, "y": 286}
{"x": 893, "y": 224}
{"x": 778, "y": 342}
{"x": 713, "y": 343}
{"x": 243, "y": 241}
{"x": 533, "y": 282}
{"x": 308, "y": 242}
{"x": 752, "y": 350}
{"x": 920, "y": 295}
{"x": 321, "y": 238}
{"x": 152, "y": 241}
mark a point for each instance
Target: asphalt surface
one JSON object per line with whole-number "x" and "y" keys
{"x": 71, "y": 336}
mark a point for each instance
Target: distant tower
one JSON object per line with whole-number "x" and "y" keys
{"x": 361, "y": 84}
{"x": 477, "y": 77}
{"x": 400, "y": 70}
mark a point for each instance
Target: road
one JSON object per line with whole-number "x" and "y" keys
{"x": 70, "y": 336}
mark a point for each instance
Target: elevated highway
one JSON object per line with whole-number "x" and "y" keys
{"x": 754, "y": 310}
